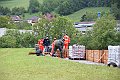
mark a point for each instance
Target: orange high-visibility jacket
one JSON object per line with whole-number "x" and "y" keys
{"x": 66, "y": 39}
{"x": 40, "y": 42}
{"x": 53, "y": 45}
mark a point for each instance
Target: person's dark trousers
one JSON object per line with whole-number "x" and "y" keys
{"x": 46, "y": 48}
{"x": 39, "y": 52}
{"x": 60, "y": 49}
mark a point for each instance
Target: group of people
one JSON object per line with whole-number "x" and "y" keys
{"x": 56, "y": 44}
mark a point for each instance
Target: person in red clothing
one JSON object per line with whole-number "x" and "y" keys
{"x": 40, "y": 43}
{"x": 66, "y": 45}
{"x": 66, "y": 41}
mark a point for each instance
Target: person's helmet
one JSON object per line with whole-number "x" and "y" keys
{"x": 54, "y": 38}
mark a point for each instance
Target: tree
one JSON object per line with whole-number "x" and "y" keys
{"x": 14, "y": 39}
{"x": 55, "y": 28}
{"x": 34, "y": 6}
{"x": 103, "y": 33}
{"x": 18, "y": 11}
{"x": 5, "y": 22}
{"x": 23, "y": 25}
{"x": 42, "y": 28}
{"x": 115, "y": 10}
{"x": 62, "y": 25}
{"x": 8, "y": 42}
{"x": 5, "y": 11}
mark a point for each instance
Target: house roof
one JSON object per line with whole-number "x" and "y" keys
{"x": 48, "y": 16}
{"x": 83, "y": 24}
{"x": 34, "y": 18}
{"x": 16, "y": 18}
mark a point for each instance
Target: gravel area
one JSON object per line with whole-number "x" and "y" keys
{"x": 86, "y": 62}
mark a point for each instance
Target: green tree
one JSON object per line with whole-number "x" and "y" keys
{"x": 62, "y": 25}
{"x": 34, "y": 6}
{"x": 115, "y": 10}
{"x": 103, "y": 33}
{"x": 18, "y": 11}
{"x": 5, "y": 11}
{"x": 23, "y": 25}
{"x": 8, "y": 42}
{"x": 55, "y": 28}
{"x": 42, "y": 28}
{"x": 5, "y": 22}
{"x": 15, "y": 39}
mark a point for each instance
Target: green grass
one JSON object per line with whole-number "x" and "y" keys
{"x": 75, "y": 17}
{"x": 16, "y": 3}
{"x": 27, "y": 15}
{"x": 16, "y": 64}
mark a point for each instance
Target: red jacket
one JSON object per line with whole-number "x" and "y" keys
{"x": 66, "y": 39}
{"x": 40, "y": 43}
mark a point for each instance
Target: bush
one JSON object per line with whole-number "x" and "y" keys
{"x": 15, "y": 39}
{"x": 8, "y": 42}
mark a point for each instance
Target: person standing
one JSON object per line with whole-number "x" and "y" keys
{"x": 66, "y": 44}
{"x": 40, "y": 43}
{"x": 46, "y": 43}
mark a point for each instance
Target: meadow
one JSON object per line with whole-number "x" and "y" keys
{"x": 75, "y": 17}
{"x": 16, "y": 3}
{"x": 16, "y": 64}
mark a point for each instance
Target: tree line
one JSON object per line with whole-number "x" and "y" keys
{"x": 62, "y": 7}
{"x": 14, "y": 11}
{"x": 65, "y": 7}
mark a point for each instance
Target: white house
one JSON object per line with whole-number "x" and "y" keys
{"x": 84, "y": 26}
{"x": 33, "y": 20}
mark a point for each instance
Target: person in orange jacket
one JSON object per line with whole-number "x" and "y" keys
{"x": 66, "y": 41}
{"x": 40, "y": 43}
{"x": 66, "y": 45}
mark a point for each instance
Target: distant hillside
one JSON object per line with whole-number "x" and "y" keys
{"x": 16, "y": 3}
{"x": 77, "y": 15}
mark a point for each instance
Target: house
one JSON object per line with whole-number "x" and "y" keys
{"x": 48, "y": 16}
{"x": 16, "y": 18}
{"x": 83, "y": 26}
{"x": 33, "y": 20}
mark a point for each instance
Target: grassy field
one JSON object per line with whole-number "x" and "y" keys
{"x": 77, "y": 15}
{"x": 16, "y": 3}
{"x": 16, "y": 64}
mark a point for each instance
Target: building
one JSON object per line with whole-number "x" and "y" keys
{"x": 49, "y": 16}
{"x": 16, "y": 18}
{"x": 84, "y": 26}
{"x": 33, "y": 20}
